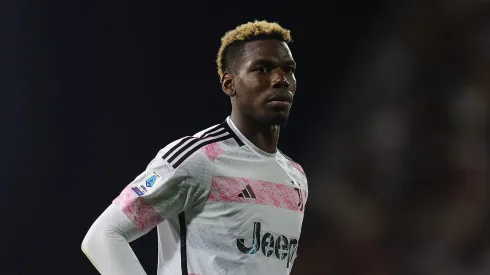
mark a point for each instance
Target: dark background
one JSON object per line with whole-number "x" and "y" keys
{"x": 91, "y": 90}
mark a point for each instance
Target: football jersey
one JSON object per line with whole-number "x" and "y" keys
{"x": 220, "y": 204}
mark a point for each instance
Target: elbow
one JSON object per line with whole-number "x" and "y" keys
{"x": 86, "y": 244}
{"x": 91, "y": 241}
{"x": 88, "y": 248}
{"x": 90, "y": 245}
{"x": 93, "y": 238}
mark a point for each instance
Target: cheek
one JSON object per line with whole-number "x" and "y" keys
{"x": 257, "y": 101}
{"x": 253, "y": 91}
{"x": 250, "y": 99}
{"x": 292, "y": 84}
{"x": 246, "y": 98}
{"x": 256, "y": 84}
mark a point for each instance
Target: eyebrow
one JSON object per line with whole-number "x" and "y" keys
{"x": 270, "y": 61}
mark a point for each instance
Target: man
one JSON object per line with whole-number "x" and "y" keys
{"x": 224, "y": 201}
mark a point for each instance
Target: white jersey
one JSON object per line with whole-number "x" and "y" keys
{"x": 221, "y": 205}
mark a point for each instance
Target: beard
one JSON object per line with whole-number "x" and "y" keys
{"x": 274, "y": 119}
{"x": 264, "y": 115}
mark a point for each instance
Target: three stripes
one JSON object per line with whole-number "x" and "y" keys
{"x": 247, "y": 193}
{"x": 188, "y": 145}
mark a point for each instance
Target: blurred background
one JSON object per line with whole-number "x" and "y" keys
{"x": 390, "y": 123}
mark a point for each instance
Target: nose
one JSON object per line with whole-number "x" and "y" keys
{"x": 280, "y": 80}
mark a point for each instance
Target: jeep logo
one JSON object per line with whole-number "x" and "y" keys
{"x": 279, "y": 246}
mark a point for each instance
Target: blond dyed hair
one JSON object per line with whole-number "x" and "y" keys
{"x": 247, "y": 32}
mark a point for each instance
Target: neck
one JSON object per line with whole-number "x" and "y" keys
{"x": 265, "y": 137}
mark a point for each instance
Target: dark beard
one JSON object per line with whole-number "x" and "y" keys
{"x": 275, "y": 120}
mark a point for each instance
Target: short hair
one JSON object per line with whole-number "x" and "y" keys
{"x": 232, "y": 42}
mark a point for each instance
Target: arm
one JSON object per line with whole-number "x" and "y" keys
{"x": 107, "y": 243}
{"x": 161, "y": 191}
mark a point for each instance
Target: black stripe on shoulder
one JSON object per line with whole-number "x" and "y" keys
{"x": 220, "y": 132}
{"x": 171, "y": 150}
{"x": 225, "y": 125}
{"x": 202, "y": 143}
{"x": 192, "y": 143}
{"x": 187, "y": 146}
{"x": 184, "y": 140}
{"x": 212, "y": 129}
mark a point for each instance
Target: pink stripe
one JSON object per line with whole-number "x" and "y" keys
{"x": 212, "y": 151}
{"x": 137, "y": 209}
{"x": 266, "y": 193}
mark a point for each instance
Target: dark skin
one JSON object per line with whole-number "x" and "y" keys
{"x": 261, "y": 88}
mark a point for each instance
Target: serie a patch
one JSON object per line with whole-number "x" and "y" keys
{"x": 141, "y": 189}
{"x": 152, "y": 179}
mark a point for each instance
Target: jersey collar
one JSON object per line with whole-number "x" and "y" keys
{"x": 248, "y": 142}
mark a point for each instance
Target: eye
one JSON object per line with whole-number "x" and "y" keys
{"x": 290, "y": 70}
{"x": 263, "y": 69}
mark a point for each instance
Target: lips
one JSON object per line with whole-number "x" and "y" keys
{"x": 283, "y": 97}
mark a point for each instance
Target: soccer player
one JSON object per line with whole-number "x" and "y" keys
{"x": 225, "y": 200}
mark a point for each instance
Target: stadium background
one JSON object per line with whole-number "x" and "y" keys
{"x": 390, "y": 124}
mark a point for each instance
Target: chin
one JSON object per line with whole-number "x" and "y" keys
{"x": 278, "y": 119}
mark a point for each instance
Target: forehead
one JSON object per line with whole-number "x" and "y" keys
{"x": 266, "y": 49}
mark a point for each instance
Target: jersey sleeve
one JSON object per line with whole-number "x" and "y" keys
{"x": 106, "y": 244}
{"x": 168, "y": 186}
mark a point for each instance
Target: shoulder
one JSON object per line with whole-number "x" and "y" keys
{"x": 293, "y": 163}
{"x": 201, "y": 148}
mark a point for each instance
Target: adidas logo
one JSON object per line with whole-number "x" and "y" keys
{"x": 247, "y": 193}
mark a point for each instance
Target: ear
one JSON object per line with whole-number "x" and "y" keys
{"x": 227, "y": 84}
